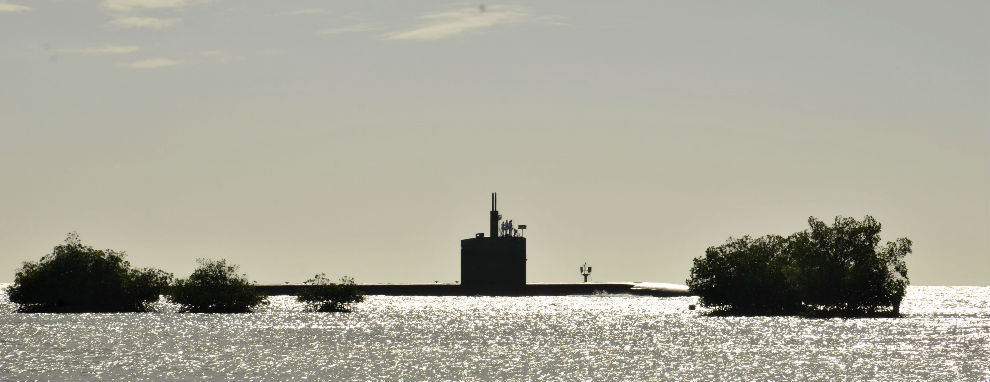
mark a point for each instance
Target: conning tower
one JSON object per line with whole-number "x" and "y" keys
{"x": 495, "y": 265}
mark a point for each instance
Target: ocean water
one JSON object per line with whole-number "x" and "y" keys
{"x": 944, "y": 336}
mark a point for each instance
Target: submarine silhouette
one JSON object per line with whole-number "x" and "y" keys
{"x": 495, "y": 265}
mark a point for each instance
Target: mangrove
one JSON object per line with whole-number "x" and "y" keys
{"x": 321, "y": 295}
{"x": 77, "y": 278}
{"x": 216, "y": 287}
{"x": 837, "y": 270}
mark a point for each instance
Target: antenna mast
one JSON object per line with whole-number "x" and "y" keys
{"x": 493, "y": 217}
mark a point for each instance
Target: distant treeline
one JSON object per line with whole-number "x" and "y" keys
{"x": 80, "y": 278}
{"x": 837, "y": 270}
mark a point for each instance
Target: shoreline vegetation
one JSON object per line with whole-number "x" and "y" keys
{"x": 216, "y": 287}
{"x": 77, "y": 278}
{"x": 825, "y": 271}
{"x": 321, "y": 295}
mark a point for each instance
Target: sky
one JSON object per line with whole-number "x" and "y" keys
{"x": 364, "y": 138}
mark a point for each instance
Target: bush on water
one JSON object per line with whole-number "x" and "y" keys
{"x": 826, "y": 270}
{"x": 79, "y": 278}
{"x": 745, "y": 275}
{"x": 216, "y": 287}
{"x": 321, "y": 295}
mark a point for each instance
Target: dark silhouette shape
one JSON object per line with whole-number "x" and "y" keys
{"x": 321, "y": 295}
{"x": 215, "y": 287}
{"x": 542, "y": 289}
{"x": 494, "y": 265}
{"x": 585, "y": 271}
{"x": 840, "y": 270}
{"x": 745, "y": 275}
{"x": 79, "y": 278}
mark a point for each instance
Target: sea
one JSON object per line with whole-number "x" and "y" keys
{"x": 944, "y": 335}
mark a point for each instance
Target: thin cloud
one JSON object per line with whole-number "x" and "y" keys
{"x": 106, "y": 49}
{"x": 152, "y": 63}
{"x": 8, "y": 7}
{"x": 128, "y": 5}
{"x": 220, "y": 56}
{"x": 453, "y": 23}
{"x": 552, "y": 20}
{"x": 304, "y": 12}
{"x": 348, "y": 29}
{"x": 144, "y": 22}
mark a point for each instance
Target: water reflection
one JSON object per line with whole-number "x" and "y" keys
{"x": 944, "y": 336}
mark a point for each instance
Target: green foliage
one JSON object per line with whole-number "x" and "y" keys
{"x": 215, "y": 287}
{"x": 840, "y": 269}
{"x": 79, "y": 278}
{"x": 321, "y": 295}
{"x": 746, "y": 275}
{"x": 844, "y": 268}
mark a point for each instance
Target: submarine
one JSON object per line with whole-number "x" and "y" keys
{"x": 495, "y": 265}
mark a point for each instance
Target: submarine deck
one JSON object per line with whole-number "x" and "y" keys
{"x": 536, "y": 289}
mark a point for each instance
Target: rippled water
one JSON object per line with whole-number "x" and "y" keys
{"x": 944, "y": 336}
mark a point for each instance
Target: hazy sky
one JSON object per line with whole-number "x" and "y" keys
{"x": 363, "y": 138}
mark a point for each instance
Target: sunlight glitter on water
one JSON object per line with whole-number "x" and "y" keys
{"x": 945, "y": 335}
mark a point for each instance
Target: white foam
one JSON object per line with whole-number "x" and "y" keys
{"x": 661, "y": 287}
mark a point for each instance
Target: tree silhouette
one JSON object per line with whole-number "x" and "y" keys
{"x": 321, "y": 295}
{"x": 79, "y": 278}
{"x": 216, "y": 287}
{"x": 833, "y": 270}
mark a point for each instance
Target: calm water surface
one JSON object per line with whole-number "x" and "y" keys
{"x": 944, "y": 336}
